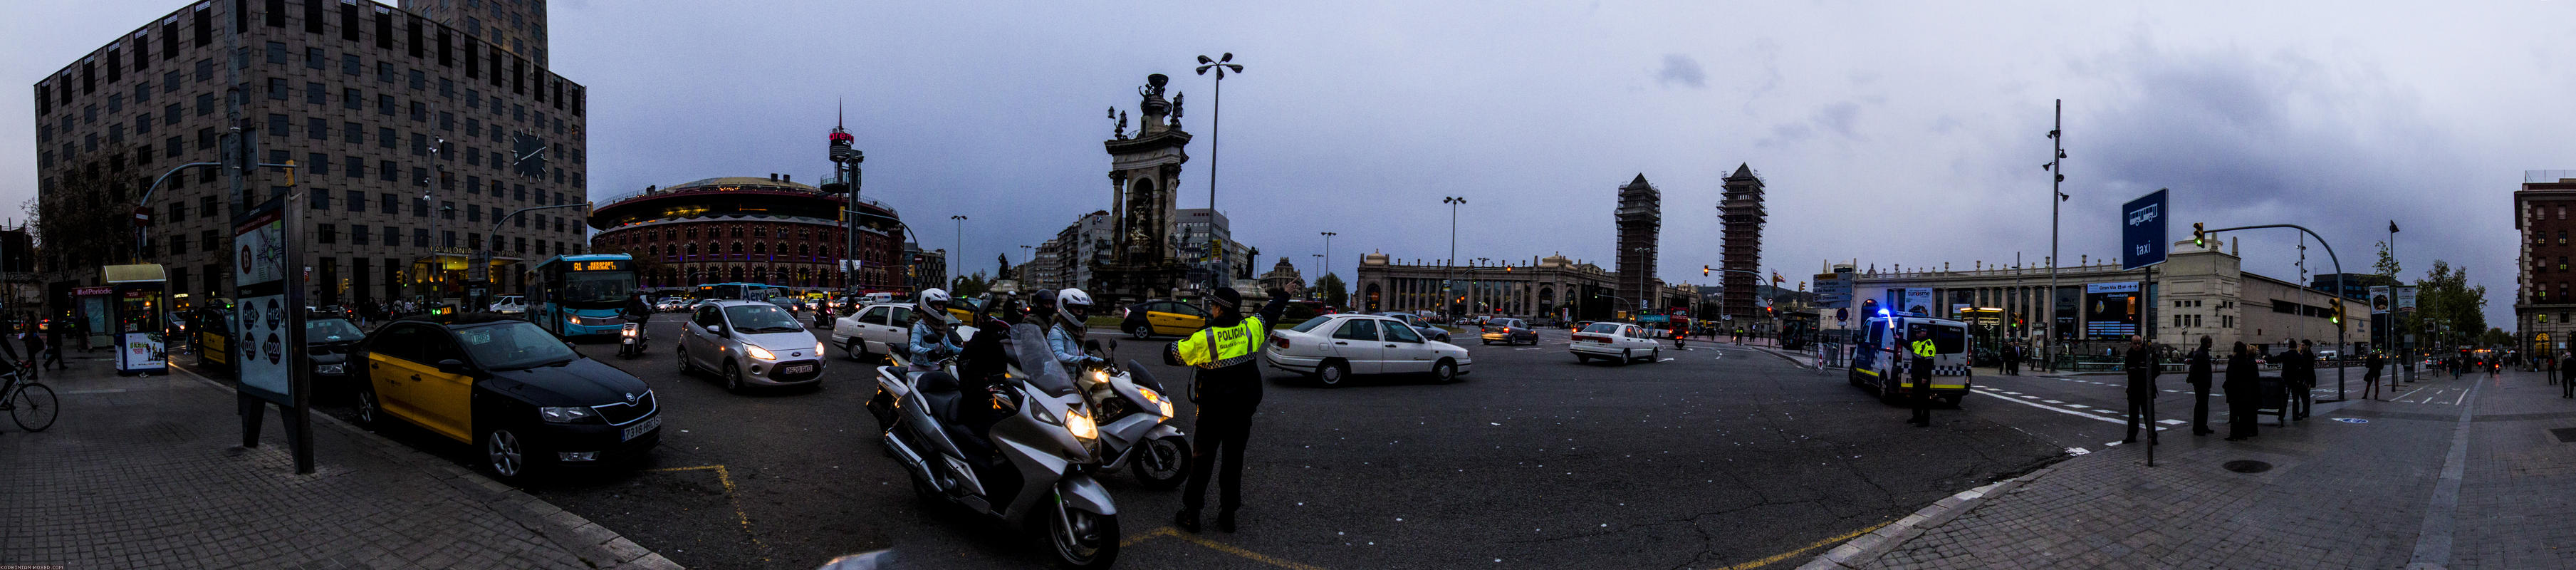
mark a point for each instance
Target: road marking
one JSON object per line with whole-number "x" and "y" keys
{"x": 2052, "y": 401}
{"x": 726, "y": 477}
{"x": 2053, "y": 408}
{"x": 2171, "y": 422}
{"x": 1218, "y": 546}
{"x": 2076, "y": 406}
{"x": 2013, "y": 393}
{"x": 1776, "y": 558}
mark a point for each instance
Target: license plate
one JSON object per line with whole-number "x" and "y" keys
{"x": 796, "y": 369}
{"x": 630, "y": 340}
{"x": 640, "y": 428}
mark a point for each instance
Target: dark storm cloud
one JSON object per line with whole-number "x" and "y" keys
{"x": 1681, "y": 70}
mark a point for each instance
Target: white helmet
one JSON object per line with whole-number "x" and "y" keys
{"x": 1067, "y": 301}
{"x": 933, "y": 295}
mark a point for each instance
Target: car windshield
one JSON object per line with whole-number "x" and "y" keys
{"x": 330, "y": 330}
{"x": 597, "y": 287}
{"x": 511, "y": 345}
{"x": 1310, "y": 324}
{"x": 1602, "y": 328}
{"x": 761, "y": 319}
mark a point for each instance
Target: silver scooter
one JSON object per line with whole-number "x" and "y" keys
{"x": 1044, "y": 446}
{"x": 1136, "y": 420}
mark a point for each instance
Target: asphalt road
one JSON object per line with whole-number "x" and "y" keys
{"x": 1716, "y": 457}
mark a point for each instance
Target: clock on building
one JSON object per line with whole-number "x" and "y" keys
{"x": 529, "y": 155}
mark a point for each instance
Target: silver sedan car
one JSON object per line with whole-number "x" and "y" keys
{"x": 750, "y": 343}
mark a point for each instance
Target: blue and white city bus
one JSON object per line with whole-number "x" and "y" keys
{"x": 580, "y": 295}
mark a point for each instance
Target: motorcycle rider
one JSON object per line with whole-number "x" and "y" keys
{"x": 932, "y": 327}
{"x": 1065, "y": 335}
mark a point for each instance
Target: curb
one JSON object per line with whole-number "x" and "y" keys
{"x": 1868, "y": 547}
{"x": 589, "y": 541}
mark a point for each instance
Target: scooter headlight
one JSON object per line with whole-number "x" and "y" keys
{"x": 1157, "y": 399}
{"x": 1078, "y": 423}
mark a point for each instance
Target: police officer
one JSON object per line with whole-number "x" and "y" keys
{"x": 1920, "y": 367}
{"x": 1227, "y": 391}
{"x": 2141, "y": 365}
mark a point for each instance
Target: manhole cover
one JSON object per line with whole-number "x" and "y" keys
{"x": 2565, "y": 435}
{"x": 2247, "y": 466}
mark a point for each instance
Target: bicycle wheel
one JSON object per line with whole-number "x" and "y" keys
{"x": 33, "y": 407}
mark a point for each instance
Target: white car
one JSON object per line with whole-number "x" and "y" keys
{"x": 865, "y": 335}
{"x": 1617, "y": 342}
{"x": 750, "y": 343}
{"x": 509, "y": 305}
{"x": 1332, "y": 348}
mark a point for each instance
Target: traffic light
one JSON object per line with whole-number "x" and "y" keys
{"x": 2199, "y": 236}
{"x": 2337, "y": 317}
{"x": 1703, "y": 271}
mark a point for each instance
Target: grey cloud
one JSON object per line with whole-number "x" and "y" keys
{"x": 1681, "y": 69}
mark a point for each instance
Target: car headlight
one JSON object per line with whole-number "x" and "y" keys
{"x": 1080, "y": 425}
{"x": 818, "y": 348}
{"x": 333, "y": 369}
{"x": 1157, "y": 399}
{"x": 566, "y": 414}
{"x": 758, "y": 352}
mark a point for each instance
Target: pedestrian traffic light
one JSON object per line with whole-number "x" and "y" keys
{"x": 2199, "y": 237}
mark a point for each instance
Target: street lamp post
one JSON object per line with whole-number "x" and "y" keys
{"x": 1448, "y": 267}
{"x": 1328, "y": 254}
{"x": 1216, "y": 124}
{"x": 957, "y": 271}
{"x": 2057, "y": 176}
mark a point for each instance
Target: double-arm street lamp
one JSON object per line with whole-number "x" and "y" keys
{"x": 1447, "y": 267}
{"x": 956, "y": 269}
{"x": 1216, "y": 125}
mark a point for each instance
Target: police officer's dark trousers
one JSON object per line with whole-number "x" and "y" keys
{"x": 1922, "y": 392}
{"x": 1223, "y": 429}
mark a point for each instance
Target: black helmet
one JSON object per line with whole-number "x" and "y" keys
{"x": 1043, "y": 300}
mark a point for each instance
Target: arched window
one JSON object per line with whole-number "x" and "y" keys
{"x": 737, "y": 231}
{"x": 737, "y": 247}
{"x": 759, "y": 248}
{"x": 693, "y": 249}
{"x": 803, "y": 249}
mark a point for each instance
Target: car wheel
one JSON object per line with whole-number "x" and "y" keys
{"x": 855, "y": 349}
{"x": 1488, "y": 343}
{"x": 509, "y": 457}
{"x": 1579, "y": 358}
{"x": 1332, "y": 373}
{"x": 1140, "y": 332}
{"x": 733, "y": 377}
{"x": 1445, "y": 371}
{"x": 367, "y": 404}
{"x": 1625, "y": 357}
{"x": 681, "y": 358}
{"x": 1656, "y": 356}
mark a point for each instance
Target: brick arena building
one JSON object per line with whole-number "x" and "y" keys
{"x": 748, "y": 229}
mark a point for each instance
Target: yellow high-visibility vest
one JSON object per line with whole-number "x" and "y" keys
{"x": 1219, "y": 347}
{"x": 1923, "y": 348}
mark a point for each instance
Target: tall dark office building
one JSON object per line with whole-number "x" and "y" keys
{"x": 1742, "y": 211}
{"x": 1641, "y": 216}
{"x": 413, "y": 133}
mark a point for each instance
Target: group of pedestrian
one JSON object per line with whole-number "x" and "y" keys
{"x": 2011, "y": 356}
{"x": 41, "y": 342}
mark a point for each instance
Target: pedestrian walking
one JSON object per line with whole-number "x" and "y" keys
{"x": 2012, "y": 360}
{"x": 34, "y": 341}
{"x": 1227, "y": 389}
{"x": 2198, "y": 375}
{"x": 2244, "y": 381}
{"x": 2303, "y": 386}
{"x": 1920, "y": 368}
{"x": 54, "y": 346}
{"x": 2141, "y": 366}
{"x": 2370, "y": 379}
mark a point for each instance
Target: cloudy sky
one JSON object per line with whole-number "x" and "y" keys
{"x": 1895, "y": 133}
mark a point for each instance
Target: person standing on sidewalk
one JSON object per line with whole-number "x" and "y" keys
{"x": 2244, "y": 387}
{"x": 2370, "y": 378}
{"x": 2198, "y": 376}
{"x": 2012, "y": 360}
{"x": 1920, "y": 368}
{"x": 2304, "y": 386}
{"x": 2141, "y": 365}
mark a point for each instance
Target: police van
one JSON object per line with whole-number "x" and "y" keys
{"x": 1879, "y": 357}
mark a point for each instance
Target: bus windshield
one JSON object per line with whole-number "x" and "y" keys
{"x": 596, "y": 287}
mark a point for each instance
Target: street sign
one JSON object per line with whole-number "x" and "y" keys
{"x": 2379, "y": 303}
{"x": 2142, "y": 231}
{"x": 1842, "y": 315}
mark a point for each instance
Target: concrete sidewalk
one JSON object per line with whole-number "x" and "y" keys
{"x": 2417, "y": 483}
{"x": 148, "y": 473}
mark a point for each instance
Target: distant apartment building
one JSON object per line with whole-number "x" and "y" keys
{"x": 2542, "y": 305}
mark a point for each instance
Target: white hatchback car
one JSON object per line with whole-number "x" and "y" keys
{"x": 750, "y": 343}
{"x": 1618, "y": 342}
{"x": 864, "y": 336}
{"x": 1331, "y": 348}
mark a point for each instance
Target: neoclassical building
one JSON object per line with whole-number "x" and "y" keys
{"x": 1549, "y": 286}
{"x": 748, "y": 229}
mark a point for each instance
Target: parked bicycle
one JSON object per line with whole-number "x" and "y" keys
{"x": 30, "y": 404}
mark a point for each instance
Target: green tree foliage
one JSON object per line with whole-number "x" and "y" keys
{"x": 1334, "y": 291}
{"x": 970, "y": 286}
{"x": 2495, "y": 337}
{"x": 2446, "y": 302}
{"x": 2387, "y": 264}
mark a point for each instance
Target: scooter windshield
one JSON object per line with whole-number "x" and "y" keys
{"x": 1028, "y": 342}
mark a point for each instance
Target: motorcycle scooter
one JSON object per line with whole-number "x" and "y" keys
{"x": 630, "y": 338}
{"x": 1033, "y": 465}
{"x": 1136, "y": 421}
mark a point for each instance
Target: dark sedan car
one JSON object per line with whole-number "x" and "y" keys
{"x": 327, "y": 343}
{"x": 521, "y": 396}
{"x": 1509, "y": 331}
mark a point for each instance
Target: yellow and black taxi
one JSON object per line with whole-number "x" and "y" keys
{"x": 1172, "y": 318}
{"x": 212, "y": 326}
{"x": 520, "y": 395}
